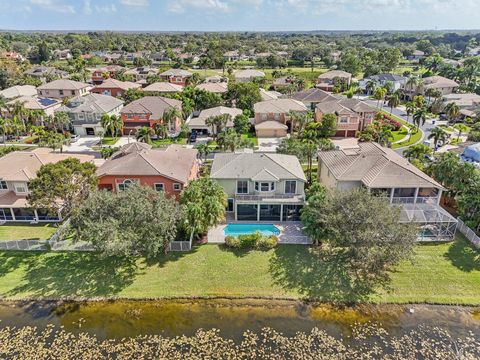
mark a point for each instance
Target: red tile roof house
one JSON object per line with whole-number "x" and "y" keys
{"x": 352, "y": 115}
{"x": 164, "y": 169}
{"x": 115, "y": 88}
{"x": 148, "y": 111}
{"x": 327, "y": 80}
{"x": 271, "y": 116}
{"x": 176, "y": 76}
{"x": 110, "y": 70}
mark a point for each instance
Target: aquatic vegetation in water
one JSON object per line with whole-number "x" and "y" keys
{"x": 366, "y": 342}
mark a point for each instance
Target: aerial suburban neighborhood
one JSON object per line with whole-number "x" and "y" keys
{"x": 241, "y": 195}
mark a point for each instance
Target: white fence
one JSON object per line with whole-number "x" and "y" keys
{"x": 469, "y": 233}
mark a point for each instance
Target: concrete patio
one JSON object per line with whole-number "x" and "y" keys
{"x": 290, "y": 233}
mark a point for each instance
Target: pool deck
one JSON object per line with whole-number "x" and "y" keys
{"x": 290, "y": 232}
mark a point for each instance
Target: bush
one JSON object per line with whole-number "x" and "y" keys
{"x": 252, "y": 241}
{"x": 232, "y": 241}
{"x": 394, "y": 123}
{"x": 474, "y": 136}
{"x": 267, "y": 242}
{"x": 249, "y": 241}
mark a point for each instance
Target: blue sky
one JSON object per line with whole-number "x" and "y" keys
{"x": 241, "y": 15}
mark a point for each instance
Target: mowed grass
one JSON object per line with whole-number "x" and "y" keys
{"x": 439, "y": 273}
{"x": 26, "y": 232}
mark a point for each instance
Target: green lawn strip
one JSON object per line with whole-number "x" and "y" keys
{"x": 169, "y": 141}
{"x": 440, "y": 273}
{"x": 109, "y": 140}
{"x": 26, "y": 232}
{"x": 251, "y": 137}
{"x": 416, "y": 135}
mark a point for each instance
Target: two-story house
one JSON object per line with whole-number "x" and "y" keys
{"x": 311, "y": 97}
{"x": 176, "y": 76}
{"x": 164, "y": 169}
{"x": 149, "y": 111}
{"x": 248, "y": 75}
{"x": 272, "y": 116}
{"x": 86, "y": 112}
{"x": 18, "y": 91}
{"x": 260, "y": 186}
{"x": 43, "y": 72}
{"x": 47, "y": 105}
{"x": 140, "y": 74}
{"x": 385, "y": 173}
{"x": 59, "y": 89}
{"x": 163, "y": 88}
{"x": 115, "y": 88}
{"x": 327, "y": 81}
{"x": 100, "y": 74}
{"x": 441, "y": 84}
{"x": 379, "y": 80}
{"x": 199, "y": 123}
{"x": 352, "y": 115}
{"x": 17, "y": 169}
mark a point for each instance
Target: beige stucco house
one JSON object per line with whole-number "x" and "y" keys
{"x": 276, "y": 110}
{"x": 59, "y": 89}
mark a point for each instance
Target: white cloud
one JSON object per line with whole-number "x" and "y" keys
{"x": 53, "y": 5}
{"x": 180, "y": 6}
{"x": 107, "y": 8}
{"x": 87, "y": 7}
{"x": 137, "y": 3}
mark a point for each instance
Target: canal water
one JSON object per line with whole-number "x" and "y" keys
{"x": 122, "y": 319}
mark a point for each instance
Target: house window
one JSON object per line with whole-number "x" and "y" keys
{"x": 264, "y": 117}
{"x": 3, "y": 185}
{"x": 242, "y": 187}
{"x": 60, "y": 92}
{"x": 73, "y": 92}
{"x": 20, "y": 188}
{"x": 276, "y": 116}
{"x": 230, "y": 205}
{"x": 343, "y": 120}
{"x": 290, "y": 187}
{"x": 264, "y": 186}
{"x": 125, "y": 184}
{"x": 159, "y": 187}
{"x": 177, "y": 187}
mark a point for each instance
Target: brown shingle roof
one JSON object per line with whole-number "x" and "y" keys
{"x": 174, "y": 162}
{"x": 154, "y": 105}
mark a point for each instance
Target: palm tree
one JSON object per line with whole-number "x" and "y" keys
{"x": 417, "y": 151}
{"x": 60, "y": 120}
{"x": 229, "y": 139}
{"x": 3, "y": 105}
{"x": 3, "y": 129}
{"x": 106, "y": 122}
{"x": 385, "y": 136}
{"x": 117, "y": 123}
{"x": 204, "y": 149}
{"x": 370, "y": 87}
{"x": 462, "y": 129}
{"x": 161, "y": 130}
{"x": 170, "y": 116}
{"x": 410, "y": 107}
{"x": 419, "y": 117}
{"x": 38, "y": 131}
{"x": 18, "y": 110}
{"x": 144, "y": 134}
{"x": 37, "y": 116}
{"x": 419, "y": 101}
{"x": 438, "y": 135}
{"x": 394, "y": 101}
{"x": 453, "y": 111}
{"x": 379, "y": 95}
{"x": 218, "y": 122}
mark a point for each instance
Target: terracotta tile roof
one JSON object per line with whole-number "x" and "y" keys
{"x": 154, "y": 105}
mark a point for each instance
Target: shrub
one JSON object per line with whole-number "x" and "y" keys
{"x": 267, "y": 242}
{"x": 232, "y": 241}
{"x": 394, "y": 123}
{"x": 474, "y": 136}
{"x": 249, "y": 241}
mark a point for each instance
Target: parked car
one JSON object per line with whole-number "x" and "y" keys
{"x": 74, "y": 138}
{"x": 193, "y": 137}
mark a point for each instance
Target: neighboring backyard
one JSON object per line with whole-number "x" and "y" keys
{"x": 439, "y": 273}
{"x": 27, "y": 232}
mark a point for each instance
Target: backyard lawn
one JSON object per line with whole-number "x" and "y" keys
{"x": 445, "y": 273}
{"x": 26, "y": 232}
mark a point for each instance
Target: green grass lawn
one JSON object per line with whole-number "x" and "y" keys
{"x": 440, "y": 273}
{"x": 26, "y": 232}
{"x": 109, "y": 140}
{"x": 169, "y": 141}
{"x": 399, "y": 135}
{"x": 251, "y": 137}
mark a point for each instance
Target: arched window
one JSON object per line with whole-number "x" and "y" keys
{"x": 125, "y": 184}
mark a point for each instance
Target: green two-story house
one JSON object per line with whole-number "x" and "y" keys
{"x": 261, "y": 186}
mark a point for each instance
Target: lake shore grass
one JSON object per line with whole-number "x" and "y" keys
{"x": 438, "y": 274}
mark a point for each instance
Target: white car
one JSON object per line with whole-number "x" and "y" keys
{"x": 74, "y": 138}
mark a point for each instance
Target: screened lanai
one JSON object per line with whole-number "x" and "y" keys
{"x": 435, "y": 223}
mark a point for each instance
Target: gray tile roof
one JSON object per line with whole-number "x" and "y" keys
{"x": 252, "y": 165}
{"x": 312, "y": 95}
{"x": 164, "y": 87}
{"x": 375, "y": 167}
{"x": 92, "y": 103}
{"x": 279, "y": 106}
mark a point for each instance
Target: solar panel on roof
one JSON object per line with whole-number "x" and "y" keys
{"x": 47, "y": 101}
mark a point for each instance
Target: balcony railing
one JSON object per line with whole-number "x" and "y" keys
{"x": 411, "y": 200}
{"x": 268, "y": 196}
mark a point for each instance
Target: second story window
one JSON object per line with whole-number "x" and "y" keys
{"x": 290, "y": 187}
{"x": 344, "y": 120}
{"x": 242, "y": 187}
{"x": 60, "y": 92}
{"x": 264, "y": 186}
{"x": 3, "y": 185}
{"x": 159, "y": 187}
{"x": 177, "y": 187}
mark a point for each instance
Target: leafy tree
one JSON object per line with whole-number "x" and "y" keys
{"x": 469, "y": 208}
{"x": 418, "y": 151}
{"x": 328, "y": 126}
{"x": 419, "y": 117}
{"x": 243, "y": 95}
{"x": 218, "y": 122}
{"x": 242, "y": 124}
{"x": 363, "y": 232}
{"x": 43, "y": 52}
{"x": 52, "y": 139}
{"x": 139, "y": 220}
{"x": 60, "y": 120}
{"x": 62, "y": 186}
{"x": 453, "y": 111}
{"x": 379, "y": 95}
{"x": 205, "y": 202}
{"x": 393, "y": 101}
{"x": 462, "y": 129}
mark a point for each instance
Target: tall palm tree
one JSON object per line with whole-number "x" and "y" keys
{"x": 117, "y": 123}
{"x": 204, "y": 149}
{"x": 419, "y": 117}
{"x": 410, "y": 107}
{"x": 161, "y": 130}
{"x": 385, "y": 136}
{"x": 394, "y": 101}
{"x": 379, "y": 95}
{"x": 438, "y": 135}
{"x": 218, "y": 123}
{"x": 170, "y": 115}
{"x": 419, "y": 101}
{"x": 106, "y": 122}
{"x": 3, "y": 105}
{"x": 370, "y": 87}
{"x": 144, "y": 134}
{"x": 18, "y": 110}
{"x": 61, "y": 120}
{"x": 3, "y": 129}
{"x": 417, "y": 151}
{"x": 462, "y": 129}
{"x": 453, "y": 111}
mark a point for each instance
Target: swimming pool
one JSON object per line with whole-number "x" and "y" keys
{"x": 243, "y": 229}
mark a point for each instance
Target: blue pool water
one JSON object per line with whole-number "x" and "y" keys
{"x": 243, "y": 229}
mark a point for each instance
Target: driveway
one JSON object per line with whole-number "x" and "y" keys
{"x": 84, "y": 143}
{"x": 268, "y": 144}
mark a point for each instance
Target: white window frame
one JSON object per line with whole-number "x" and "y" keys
{"x": 270, "y": 185}
{"x": 291, "y": 181}
{"x": 162, "y": 186}
{"x": 2, "y": 183}
{"x": 343, "y": 120}
{"x": 125, "y": 181}
{"x": 20, "y": 187}
{"x": 177, "y": 187}
{"x": 241, "y": 193}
